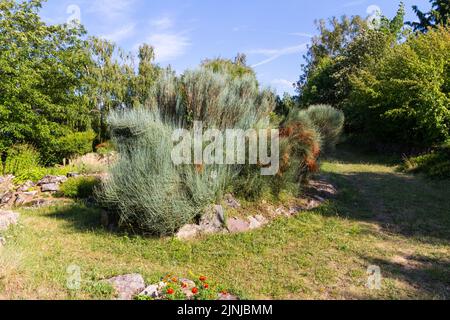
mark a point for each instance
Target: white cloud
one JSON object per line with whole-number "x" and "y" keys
{"x": 111, "y": 9}
{"x": 168, "y": 46}
{"x": 302, "y": 34}
{"x": 283, "y": 83}
{"x": 163, "y": 23}
{"x": 121, "y": 33}
{"x": 273, "y": 54}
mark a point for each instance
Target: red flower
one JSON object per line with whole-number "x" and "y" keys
{"x": 184, "y": 285}
{"x": 174, "y": 279}
{"x": 224, "y": 292}
{"x": 206, "y": 286}
{"x": 170, "y": 291}
{"x": 195, "y": 291}
{"x": 202, "y": 278}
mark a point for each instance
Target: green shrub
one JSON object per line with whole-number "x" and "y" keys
{"x": 329, "y": 122}
{"x": 21, "y": 158}
{"x": 79, "y": 187}
{"x": 435, "y": 165}
{"x": 145, "y": 189}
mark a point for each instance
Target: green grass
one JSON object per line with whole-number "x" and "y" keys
{"x": 398, "y": 222}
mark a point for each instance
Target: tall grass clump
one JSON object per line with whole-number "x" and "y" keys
{"x": 145, "y": 189}
{"x": 329, "y": 122}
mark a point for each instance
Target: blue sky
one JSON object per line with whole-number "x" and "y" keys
{"x": 273, "y": 33}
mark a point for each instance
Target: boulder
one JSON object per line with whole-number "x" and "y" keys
{"x": 127, "y": 286}
{"x": 257, "y": 222}
{"x": 24, "y": 198}
{"x": 231, "y": 202}
{"x": 48, "y": 180}
{"x": 26, "y": 186}
{"x": 50, "y": 187}
{"x": 151, "y": 292}
{"x": 236, "y": 225}
{"x": 213, "y": 221}
{"x": 8, "y": 218}
{"x": 7, "y": 198}
{"x": 189, "y": 232}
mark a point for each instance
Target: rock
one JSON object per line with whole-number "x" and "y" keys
{"x": 7, "y": 198}
{"x": 320, "y": 188}
{"x": 189, "y": 232}
{"x": 73, "y": 175}
{"x": 231, "y": 202}
{"x": 26, "y": 186}
{"x": 236, "y": 225}
{"x": 188, "y": 289}
{"x": 254, "y": 223}
{"x": 227, "y": 297}
{"x": 2, "y": 242}
{"x": 48, "y": 180}
{"x": 39, "y": 203}
{"x": 50, "y": 187}
{"x": 23, "y": 199}
{"x": 313, "y": 204}
{"x": 151, "y": 292}
{"x": 213, "y": 220}
{"x": 8, "y": 218}
{"x": 127, "y": 286}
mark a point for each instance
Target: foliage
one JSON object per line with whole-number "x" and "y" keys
{"x": 434, "y": 165}
{"x": 43, "y": 79}
{"x": 146, "y": 189}
{"x": 21, "y": 157}
{"x": 329, "y": 122}
{"x": 236, "y": 69}
{"x": 391, "y": 102}
{"x": 439, "y": 15}
{"x": 79, "y": 187}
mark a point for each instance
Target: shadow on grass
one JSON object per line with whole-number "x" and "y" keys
{"x": 429, "y": 276}
{"x": 79, "y": 217}
{"x": 400, "y": 204}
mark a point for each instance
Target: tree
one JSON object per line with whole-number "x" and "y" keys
{"x": 438, "y": 15}
{"x": 237, "y": 68}
{"x": 42, "y": 80}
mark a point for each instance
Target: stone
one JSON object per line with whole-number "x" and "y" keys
{"x": 231, "y": 202}
{"x": 213, "y": 220}
{"x": 39, "y": 203}
{"x": 26, "y": 186}
{"x": 23, "y": 199}
{"x": 7, "y": 198}
{"x": 227, "y": 297}
{"x": 189, "y": 232}
{"x": 50, "y": 187}
{"x": 47, "y": 180}
{"x": 73, "y": 175}
{"x": 127, "y": 286}
{"x": 188, "y": 289}
{"x": 254, "y": 223}
{"x": 2, "y": 242}
{"x": 236, "y": 225}
{"x": 8, "y": 218}
{"x": 151, "y": 292}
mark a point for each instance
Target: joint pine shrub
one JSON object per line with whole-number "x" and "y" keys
{"x": 146, "y": 190}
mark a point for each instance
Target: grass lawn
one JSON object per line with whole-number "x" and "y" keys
{"x": 398, "y": 222}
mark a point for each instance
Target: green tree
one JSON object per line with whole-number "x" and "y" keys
{"x": 438, "y": 15}
{"x": 42, "y": 80}
{"x": 236, "y": 68}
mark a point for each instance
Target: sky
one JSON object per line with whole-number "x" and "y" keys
{"x": 274, "y": 34}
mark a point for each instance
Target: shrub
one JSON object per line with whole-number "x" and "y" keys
{"x": 329, "y": 122}
{"x": 21, "y": 158}
{"x": 79, "y": 187}
{"x": 435, "y": 165}
{"x": 145, "y": 189}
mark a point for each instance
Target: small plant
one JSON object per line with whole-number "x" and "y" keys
{"x": 435, "y": 165}
{"x": 79, "y": 187}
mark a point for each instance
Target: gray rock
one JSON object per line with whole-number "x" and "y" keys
{"x": 7, "y": 198}
{"x": 189, "y": 232}
{"x": 26, "y": 186}
{"x": 213, "y": 220}
{"x": 151, "y": 291}
{"x": 52, "y": 180}
{"x": 236, "y": 225}
{"x": 231, "y": 202}
{"x": 50, "y": 187}
{"x": 73, "y": 175}
{"x": 127, "y": 286}
{"x": 257, "y": 222}
{"x": 8, "y": 218}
